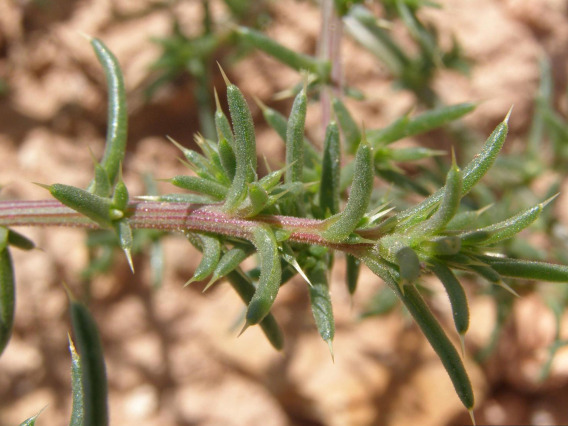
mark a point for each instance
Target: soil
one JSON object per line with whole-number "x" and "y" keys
{"x": 172, "y": 354}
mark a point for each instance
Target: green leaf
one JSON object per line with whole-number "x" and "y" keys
{"x": 222, "y": 124}
{"x": 117, "y": 120}
{"x": 77, "y": 411}
{"x": 228, "y": 262}
{"x": 505, "y": 229}
{"x": 531, "y": 270}
{"x": 344, "y": 223}
{"x": 270, "y": 275}
{"x": 7, "y": 297}
{"x": 245, "y": 147}
{"x": 295, "y": 139}
{"x": 471, "y": 174}
{"x": 211, "y": 248}
{"x": 352, "y": 273}
{"x": 449, "y": 204}
{"x": 330, "y": 173}
{"x": 200, "y": 185}
{"x": 15, "y": 239}
{"x": 430, "y": 327}
{"x": 93, "y": 206}
{"x": 94, "y": 381}
{"x": 32, "y": 420}
{"x": 456, "y": 294}
{"x": 245, "y": 289}
{"x": 320, "y": 302}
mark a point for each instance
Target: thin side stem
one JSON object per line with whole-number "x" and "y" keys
{"x": 330, "y": 50}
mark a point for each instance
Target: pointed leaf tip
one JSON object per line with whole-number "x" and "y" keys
{"x": 454, "y": 161}
{"x": 42, "y": 185}
{"x": 507, "y": 287}
{"x": 330, "y": 345}
{"x": 227, "y": 81}
{"x": 470, "y": 411}
{"x": 70, "y": 294}
{"x": 85, "y": 36}
{"x": 128, "y": 255}
{"x": 506, "y": 120}
{"x": 260, "y": 104}
{"x": 549, "y": 200}
{"x": 188, "y": 282}
{"x": 247, "y": 325}
{"x": 212, "y": 281}
{"x": 217, "y": 102}
{"x": 462, "y": 344}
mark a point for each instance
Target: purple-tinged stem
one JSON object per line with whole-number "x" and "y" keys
{"x": 170, "y": 217}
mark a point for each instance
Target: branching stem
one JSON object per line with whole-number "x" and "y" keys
{"x": 171, "y": 217}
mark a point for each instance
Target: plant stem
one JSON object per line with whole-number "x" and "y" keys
{"x": 172, "y": 217}
{"x": 330, "y": 50}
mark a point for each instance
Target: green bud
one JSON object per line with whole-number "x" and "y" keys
{"x": 408, "y": 264}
